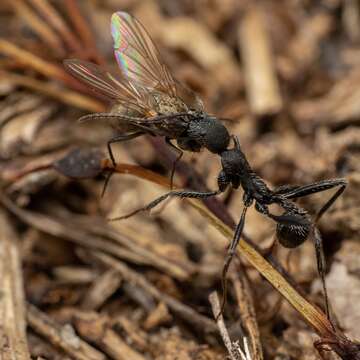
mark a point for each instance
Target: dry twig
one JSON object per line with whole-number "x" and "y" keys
{"x": 63, "y": 337}
{"x": 96, "y": 329}
{"x": 261, "y": 82}
{"x": 189, "y": 315}
{"x": 247, "y": 313}
{"x": 233, "y": 348}
{"x": 13, "y": 342}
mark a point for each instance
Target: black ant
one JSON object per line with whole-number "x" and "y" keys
{"x": 294, "y": 225}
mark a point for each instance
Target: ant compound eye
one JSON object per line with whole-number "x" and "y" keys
{"x": 291, "y": 235}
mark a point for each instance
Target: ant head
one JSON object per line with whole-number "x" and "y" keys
{"x": 233, "y": 160}
{"x": 215, "y": 136}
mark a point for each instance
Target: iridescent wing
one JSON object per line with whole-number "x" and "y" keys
{"x": 123, "y": 91}
{"x": 140, "y": 60}
{"x": 172, "y": 125}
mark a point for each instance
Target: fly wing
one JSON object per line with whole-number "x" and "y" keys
{"x": 159, "y": 125}
{"x": 189, "y": 97}
{"x": 123, "y": 91}
{"x": 139, "y": 59}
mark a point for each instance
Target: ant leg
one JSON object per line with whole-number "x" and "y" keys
{"x": 319, "y": 247}
{"x": 230, "y": 254}
{"x": 321, "y": 265}
{"x": 178, "y": 193}
{"x": 180, "y": 152}
{"x": 293, "y": 215}
{"x": 327, "y": 205}
{"x": 318, "y": 243}
{"x": 115, "y": 139}
{"x": 292, "y": 192}
{"x": 304, "y": 228}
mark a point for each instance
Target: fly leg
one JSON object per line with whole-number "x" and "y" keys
{"x": 180, "y": 152}
{"x": 116, "y": 139}
{"x": 119, "y": 138}
{"x": 170, "y": 194}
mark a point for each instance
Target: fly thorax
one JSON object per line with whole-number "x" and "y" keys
{"x": 210, "y": 133}
{"x": 120, "y": 109}
{"x": 165, "y": 104}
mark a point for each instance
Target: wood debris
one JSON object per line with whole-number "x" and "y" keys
{"x": 282, "y": 76}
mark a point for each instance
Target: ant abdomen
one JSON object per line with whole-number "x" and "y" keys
{"x": 294, "y": 233}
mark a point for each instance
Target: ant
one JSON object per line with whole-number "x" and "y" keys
{"x": 293, "y": 226}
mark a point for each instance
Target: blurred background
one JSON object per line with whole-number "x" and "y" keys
{"x": 284, "y": 76}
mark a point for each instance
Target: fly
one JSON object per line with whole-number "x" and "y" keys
{"x": 146, "y": 98}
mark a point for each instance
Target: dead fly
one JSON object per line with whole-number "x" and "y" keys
{"x": 148, "y": 100}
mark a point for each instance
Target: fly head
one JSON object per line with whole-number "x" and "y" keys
{"x": 210, "y": 133}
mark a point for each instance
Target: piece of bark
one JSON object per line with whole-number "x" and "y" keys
{"x": 62, "y": 229}
{"x": 39, "y": 26}
{"x": 101, "y": 289}
{"x": 129, "y": 238}
{"x": 13, "y": 342}
{"x": 193, "y": 38}
{"x": 23, "y": 128}
{"x": 351, "y": 19}
{"x": 189, "y": 315}
{"x": 16, "y": 104}
{"x": 95, "y": 328}
{"x": 259, "y": 71}
{"x": 49, "y": 89}
{"x": 338, "y": 107}
{"x": 135, "y": 335}
{"x": 41, "y": 349}
{"x": 159, "y": 316}
{"x": 305, "y": 47}
{"x": 63, "y": 337}
{"x": 74, "y": 274}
